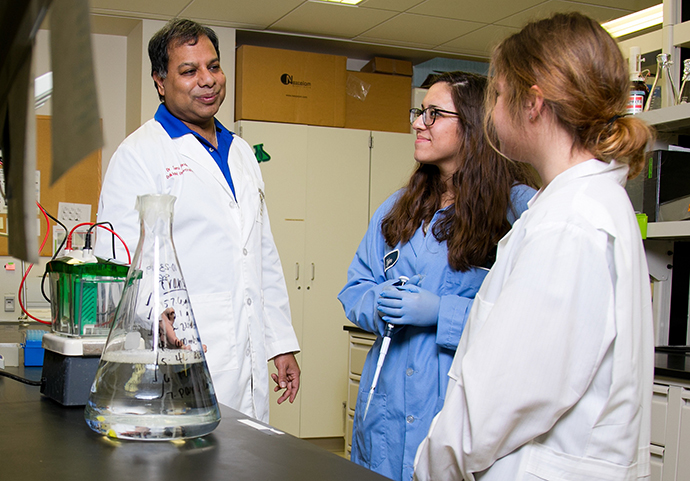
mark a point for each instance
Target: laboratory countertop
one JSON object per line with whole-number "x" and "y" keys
{"x": 42, "y": 439}
{"x": 671, "y": 362}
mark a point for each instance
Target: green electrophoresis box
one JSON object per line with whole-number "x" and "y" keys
{"x": 84, "y": 295}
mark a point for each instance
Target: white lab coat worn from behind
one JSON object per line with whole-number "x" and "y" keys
{"x": 225, "y": 248}
{"x": 553, "y": 376}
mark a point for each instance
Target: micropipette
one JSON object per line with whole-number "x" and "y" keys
{"x": 387, "y": 334}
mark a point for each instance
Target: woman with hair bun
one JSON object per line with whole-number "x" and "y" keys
{"x": 552, "y": 379}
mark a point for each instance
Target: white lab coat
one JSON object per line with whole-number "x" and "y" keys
{"x": 553, "y": 376}
{"x": 225, "y": 248}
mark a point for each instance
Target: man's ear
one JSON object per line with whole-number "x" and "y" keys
{"x": 158, "y": 80}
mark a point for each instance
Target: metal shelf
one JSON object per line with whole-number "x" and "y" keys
{"x": 675, "y": 119}
{"x": 681, "y": 34}
{"x": 668, "y": 230}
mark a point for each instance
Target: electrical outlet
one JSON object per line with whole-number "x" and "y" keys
{"x": 73, "y": 214}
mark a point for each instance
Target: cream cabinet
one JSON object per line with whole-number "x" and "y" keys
{"x": 318, "y": 189}
{"x": 360, "y": 344}
{"x": 670, "y": 430}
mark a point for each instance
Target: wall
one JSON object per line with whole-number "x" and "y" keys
{"x": 110, "y": 67}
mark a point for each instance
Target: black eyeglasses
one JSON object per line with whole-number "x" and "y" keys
{"x": 429, "y": 115}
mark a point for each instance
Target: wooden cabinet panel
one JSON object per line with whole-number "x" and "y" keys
{"x": 285, "y": 191}
{"x": 392, "y": 163}
{"x": 657, "y": 463}
{"x": 684, "y": 437}
{"x": 659, "y": 409}
{"x": 317, "y": 185}
{"x": 337, "y": 206}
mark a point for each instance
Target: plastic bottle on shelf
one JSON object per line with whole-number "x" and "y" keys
{"x": 638, "y": 88}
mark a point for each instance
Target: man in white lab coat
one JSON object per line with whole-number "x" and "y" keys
{"x": 221, "y": 229}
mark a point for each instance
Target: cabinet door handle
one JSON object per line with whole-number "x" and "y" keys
{"x": 312, "y": 271}
{"x": 296, "y": 271}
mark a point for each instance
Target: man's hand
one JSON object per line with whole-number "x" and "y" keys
{"x": 287, "y": 377}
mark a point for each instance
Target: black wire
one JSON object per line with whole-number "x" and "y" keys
{"x": 111, "y": 228}
{"x": 21, "y": 379}
{"x": 45, "y": 273}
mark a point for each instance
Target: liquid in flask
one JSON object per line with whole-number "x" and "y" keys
{"x": 153, "y": 382}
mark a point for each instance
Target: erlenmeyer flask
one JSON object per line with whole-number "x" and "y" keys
{"x": 684, "y": 95}
{"x": 153, "y": 382}
{"x": 663, "y": 82}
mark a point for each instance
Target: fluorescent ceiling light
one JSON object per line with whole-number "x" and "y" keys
{"x": 634, "y": 22}
{"x": 344, "y": 2}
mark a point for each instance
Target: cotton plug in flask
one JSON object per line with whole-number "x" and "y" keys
{"x": 663, "y": 82}
{"x": 153, "y": 382}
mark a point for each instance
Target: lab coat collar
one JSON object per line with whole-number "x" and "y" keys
{"x": 618, "y": 170}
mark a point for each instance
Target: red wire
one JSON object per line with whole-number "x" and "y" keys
{"x": 129, "y": 257}
{"x": 69, "y": 237}
{"x": 26, "y": 274}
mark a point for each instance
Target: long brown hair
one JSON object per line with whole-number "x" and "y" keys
{"x": 584, "y": 80}
{"x": 476, "y": 221}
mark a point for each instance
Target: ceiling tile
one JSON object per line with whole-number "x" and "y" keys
{"x": 601, "y": 14}
{"x": 473, "y": 10}
{"x": 457, "y": 27}
{"x": 418, "y": 30}
{"x": 150, "y": 8}
{"x": 331, "y": 20}
{"x": 631, "y": 5}
{"x": 395, "y": 5}
{"x": 480, "y": 42}
{"x": 241, "y": 13}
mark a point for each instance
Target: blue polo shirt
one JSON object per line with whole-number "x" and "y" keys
{"x": 176, "y": 128}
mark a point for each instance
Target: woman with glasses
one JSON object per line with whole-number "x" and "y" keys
{"x": 438, "y": 236}
{"x": 552, "y": 379}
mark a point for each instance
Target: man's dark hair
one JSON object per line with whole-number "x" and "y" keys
{"x": 178, "y": 31}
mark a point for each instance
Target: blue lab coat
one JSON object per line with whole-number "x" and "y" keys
{"x": 414, "y": 377}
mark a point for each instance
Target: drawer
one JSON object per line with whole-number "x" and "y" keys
{"x": 352, "y": 390}
{"x": 657, "y": 463}
{"x": 348, "y": 432}
{"x": 358, "y": 354}
{"x": 659, "y": 412}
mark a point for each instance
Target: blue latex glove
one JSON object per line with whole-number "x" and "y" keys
{"x": 409, "y": 305}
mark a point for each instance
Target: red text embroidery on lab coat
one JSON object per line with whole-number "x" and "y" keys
{"x": 176, "y": 170}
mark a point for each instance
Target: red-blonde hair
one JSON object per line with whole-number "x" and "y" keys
{"x": 585, "y": 82}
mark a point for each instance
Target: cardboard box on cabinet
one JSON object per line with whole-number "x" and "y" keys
{"x": 279, "y": 85}
{"x": 378, "y": 102}
{"x": 389, "y": 66}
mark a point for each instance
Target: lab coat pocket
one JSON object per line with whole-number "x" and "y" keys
{"x": 547, "y": 463}
{"x": 214, "y": 319}
{"x": 369, "y": 446}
